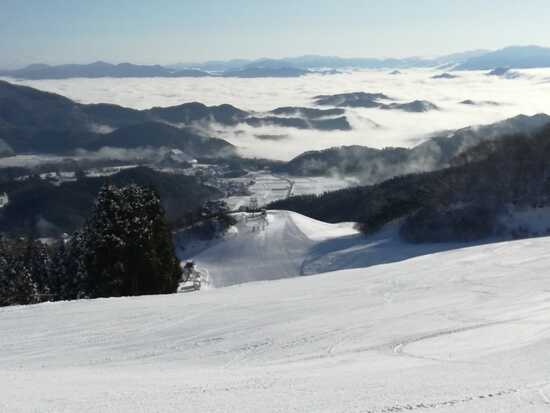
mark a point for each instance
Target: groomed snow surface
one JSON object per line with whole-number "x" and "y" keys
{"x": 268, "y": 247}
{"x": 285, "y": 244}
{"x": 461, "y": 330}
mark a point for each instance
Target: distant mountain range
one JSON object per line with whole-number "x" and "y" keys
{"x": 516, "y": 57}
{"x": 312, "y": 62}
{"x": 103, "y": 69}
{"x": 504, "y": 72}
{"x": 92, "y": 70}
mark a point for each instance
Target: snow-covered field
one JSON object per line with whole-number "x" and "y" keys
{"x": 270, "y": 187}
{"x": 463, "y": 330}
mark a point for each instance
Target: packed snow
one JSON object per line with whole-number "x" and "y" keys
{"x": 260, "y": 247}
{"x": 284, "y": 244}
{"x": 462, "y": 330}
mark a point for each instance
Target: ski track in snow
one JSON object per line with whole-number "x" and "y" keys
{"x": 431, "y": 328}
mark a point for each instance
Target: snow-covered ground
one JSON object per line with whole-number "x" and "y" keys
{"x": 463, "y": 330}
{"x": 285, "y": 244}
{"x": 422, "y": 332}
{"x": 270, "y": 187}
{"x": 269, "y": 247}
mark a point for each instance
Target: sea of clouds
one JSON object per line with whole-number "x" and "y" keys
{"x": 528, "y": 94}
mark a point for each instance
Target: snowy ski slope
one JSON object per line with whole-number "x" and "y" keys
{"x": 264, "y": 248}
{"x": 285, "y": 244}
{"x": 463, "y": 330}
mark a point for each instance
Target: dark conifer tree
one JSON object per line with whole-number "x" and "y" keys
{"x": 25, "y": 289}
{"x": 16, "y": 283}
{"x": 69, "y": 277}
{"x": 128, "y": 246}
{"x": 38, "y": 261}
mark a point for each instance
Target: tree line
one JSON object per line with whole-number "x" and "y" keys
{"x": 125, "y": 248}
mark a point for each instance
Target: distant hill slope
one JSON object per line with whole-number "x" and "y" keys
{"x": 259, "y": 71}
{"x": 372, "y": 100}
{"x": 353, "y": 100}
{"x": 140, "y": 135}
{"x": 97, "y": 70}
{"x": 188, "y": 113}
{"x": 516, "y": 57}
{"x": 372, "y": 165}
{"x": 128, "y": 70}
{"x": 28, "y": 107}
{"x": 154, "y": 134}
{"x": 462, "y": 202}
{"x": 39, "y": 207}
{"x": 444, "y": 76}
{"x": 41, "y": 122}
{"x": 22, "y": 106}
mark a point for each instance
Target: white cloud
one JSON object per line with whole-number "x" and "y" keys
{"x": 528, "y": 95}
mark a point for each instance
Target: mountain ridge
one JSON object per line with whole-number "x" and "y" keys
{"x": 32, "y": 120}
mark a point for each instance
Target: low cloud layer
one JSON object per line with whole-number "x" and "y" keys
{"x": 527, "y": 94}
{"x": 119, "y": 154}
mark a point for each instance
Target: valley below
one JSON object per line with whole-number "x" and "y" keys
{"x": 370, "y": 241}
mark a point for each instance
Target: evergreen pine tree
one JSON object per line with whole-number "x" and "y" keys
{"x": 68, "y": 275}
{"x": 38, "y": 261}
{"x": 57, "y": 272}
{"x": 128, "y": 244}
{"x": 6, "y": 282}
{"x": 25, "y": 289}
{"x": 16, "y": 283}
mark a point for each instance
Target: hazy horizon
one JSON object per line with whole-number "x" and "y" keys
{"x": 266, "y": 57}
{"x": 170, "y": 31}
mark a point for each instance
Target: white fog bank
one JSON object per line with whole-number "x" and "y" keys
{"x": 497, "y": 98}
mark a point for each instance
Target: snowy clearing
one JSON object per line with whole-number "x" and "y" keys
{"x": 269, "y": 187}
{"x": 466, "y": 330}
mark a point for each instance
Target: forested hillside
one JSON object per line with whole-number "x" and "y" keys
{"x": 40, "y": 208}
{"x": 461, "y": 202}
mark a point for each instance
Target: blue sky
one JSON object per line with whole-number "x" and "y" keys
{"x": 169, "y": 31}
